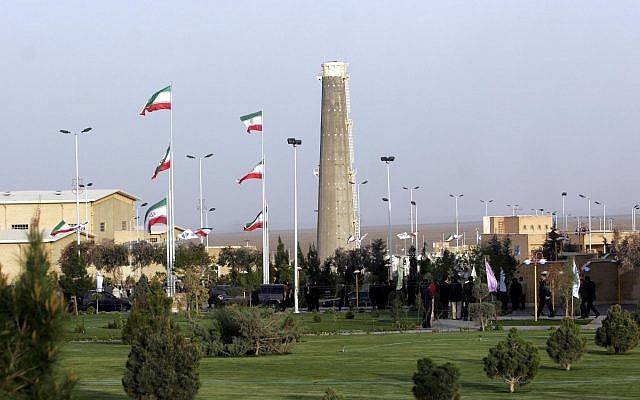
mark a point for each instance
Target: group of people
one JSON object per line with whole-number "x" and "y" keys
{"x": 445, "y": 299}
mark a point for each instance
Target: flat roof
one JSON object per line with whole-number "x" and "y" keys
{"x": 57, "y": 196}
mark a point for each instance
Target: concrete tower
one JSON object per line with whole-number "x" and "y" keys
{"x": 337, "y": 203}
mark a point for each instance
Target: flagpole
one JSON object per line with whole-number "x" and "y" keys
{"x": 265, "y": 217}
{"x": 171, "y": 221}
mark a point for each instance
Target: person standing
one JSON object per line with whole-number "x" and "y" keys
{"x": 427, "y": 302}
{"x": 545, "y": 296}
{"x": 523, "y": 290}
{"x": 590, "y": 296}
{"x": 515, "y": 293}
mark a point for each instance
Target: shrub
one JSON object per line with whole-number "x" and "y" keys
{"x": 117, "y": 323}
{"x": 619, "y": 331}
{"x": 239, "y": 331}
{"x": 514, "y": 360}
{"x": 566, "y": 345}
{"x": 331, "y": 394}
{"x": 317, "y": 318}
{"x": 79, "y": 328}
{"x": 436, "y": 382}
{"x": 482, "y": 313}
{"x": 349, "y": 315}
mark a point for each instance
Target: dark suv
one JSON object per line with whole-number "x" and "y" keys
{"x": 271, "y": 295}
{"x": 222, "y": 295}
{"x": 104, "y": 301}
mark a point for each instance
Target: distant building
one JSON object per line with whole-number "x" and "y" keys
{"x": 526, "y": 232}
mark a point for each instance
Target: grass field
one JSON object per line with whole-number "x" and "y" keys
{"x": 371, "y": 367}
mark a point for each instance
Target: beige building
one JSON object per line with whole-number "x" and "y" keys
{"x": 106, "y": 211}
{"x": 526, "y": 232}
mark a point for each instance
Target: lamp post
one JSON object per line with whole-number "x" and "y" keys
{"x": 588, "y": 198}
{"x": 456, "y": 197}
{"x": 536, "y": 259}
{"x": 387, "y": 160}
{"x": 415, "y": 233}
{"x": 138, "y": 220}
{"x": 604, "y": 214}
{"x": 201, "y": 207}
{"x": 564, "y": 216}
{"x": 486, "y": 206}
{"x": 514, "y": 208}
{"x": 206, "y": 222}
{"x": 633, "y": 216}
{"x": 295, "y": 143}
{"x": 75, "y": 134}
{"x": 356, "y": 273}
{"x": 411, "y": 204}
{"x": 357, "y": 185}
{"x": 86, "y": 206}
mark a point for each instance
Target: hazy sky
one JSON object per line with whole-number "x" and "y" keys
{"x": 515, "y": 101}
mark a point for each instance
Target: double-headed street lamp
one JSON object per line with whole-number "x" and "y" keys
{"x": 86, "y": 187}
{"x": 486, "y": 206}
{"x": 456, "y": 197}
{"x": 295, "y": 143}
{"x": 138, "y": 220}
{"x": 604, "y": 214}
{"x": 65, "y": 132}
{"x": 514, "y": 208}
{"x": 201, "y": 208}
{"x": 588, "y": 198}
{"x": 564, "y": 216}
{"x": 387, "y": 160}
{"x": 206, "y": 222}
{"x": 633, "y": 216}
{"x": 411, "y": 204}
{"x": 536, "y": 259}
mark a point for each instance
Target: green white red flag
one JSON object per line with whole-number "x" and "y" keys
{"x": 203, "y": 232}
{"x": 255, "y": 173}
{"x": 160, "y": 100}
{"x": 253, "y": 121}
{"x": 255, "y": 224}
{"x": 63, "y": 227}
{"x": 164, "y": 164}
{"x": 156, "y": 215}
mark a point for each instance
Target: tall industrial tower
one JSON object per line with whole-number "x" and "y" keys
{"x": 337, "y": 200}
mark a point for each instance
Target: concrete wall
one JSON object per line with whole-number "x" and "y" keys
{"x": 335, "y": 196}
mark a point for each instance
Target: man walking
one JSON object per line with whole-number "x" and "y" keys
{"x": 590, "y": 296}
{"x": 545, "y": 296}
{"x": 515, "y": 292}
{"x": 523, "y": 290}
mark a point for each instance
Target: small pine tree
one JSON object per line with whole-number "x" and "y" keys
{"x": 74, "y": 280}
{"x": 514, "y": 360}
{"x": 566, "y": 345}
{"x": 332, "y": 394}
{"x": 162, "y": 364}
{"x": 619, "y": 331}
{"x": 31, "y": 317}
{"x": 436, "y": 382}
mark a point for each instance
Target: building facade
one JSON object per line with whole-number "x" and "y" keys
{"x": 527, "y": 233}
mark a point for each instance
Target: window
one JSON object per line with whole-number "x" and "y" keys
{"x": 20, "y": 227}
{"x": 153, "y": 240}
{"x": 539, "y": 227}
{"x": 102, "y": 226}
{"x": 524, "y": 227}
{"x": 546, "y": 227}
{"x": 124, "y": 225}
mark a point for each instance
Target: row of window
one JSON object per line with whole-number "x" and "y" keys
{"x": 546, "y": 227}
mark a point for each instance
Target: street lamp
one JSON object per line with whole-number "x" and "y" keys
{"x": 514, "y": 208}
{"x": 86, "y": 206}
{"x": 564, "y": 216}
{"x": 633, "y": 216}
{"x": 387, "y": 160}
{"x": 604, "y": 214}
{"x": 536, "y": 259}
{"x": 359, "y": 219}
{"x": 588, "y": 198}
{"x": 206, "y": 219}
{"x": 356, "y": 273}
{"x": 295, "y": 143}
{"x": 456, "y": 197}
{"x": 201, "y": 208}
{"x": 138, "y": 220}
{"x": 75, "y": 134}
{"x": 486, "y": 206}
{"x": 411, "y": 204}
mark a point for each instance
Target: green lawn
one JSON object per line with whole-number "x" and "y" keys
{"x": 372, "y": 367}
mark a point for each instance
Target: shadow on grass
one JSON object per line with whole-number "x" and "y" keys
{"x": 86, "y": 393}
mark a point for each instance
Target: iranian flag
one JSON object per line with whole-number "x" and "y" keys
{"x": 255, "y": 173}
{"x": 62, "y": 227}
{"x": 203, "y": 232}
{"x": 253, "y": 225}
{"x": 253, "y": 121}
{"x": 156, "y": 215}
{"x": 161, "y": 100}
{"x": 164, "y": 164}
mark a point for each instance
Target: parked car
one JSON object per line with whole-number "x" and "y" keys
{"x": 222, "y": 295}
{"x": 271, "y": 295}
{"x": 104, "y": 301}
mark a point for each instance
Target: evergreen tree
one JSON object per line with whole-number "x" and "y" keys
{"x": 283, "y": 269}
{"x": 552, "y": 245}
{"x": 566, "y": 345}
{"x": 619, "y": 331}
{"x": 379, "y": 270}
{"x": 31, "y": 317}
{"x": 424, "y": 263}
{"x": 514, "y": 360}
{"x": 313, "y": 264}
{"x": 74, "y": 280}
{"x": 162, "y": 364}
{"x": 500, "y": 256}
{"x": 436, "y": 382}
